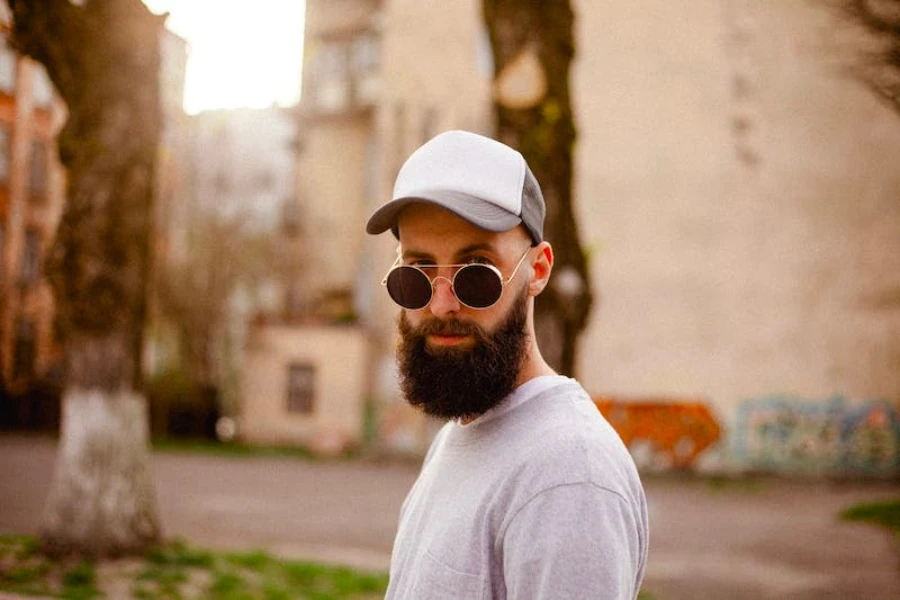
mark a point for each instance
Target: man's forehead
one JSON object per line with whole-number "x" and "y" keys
{"x": 424, "y": 227}
{"x": 419, "y": 212}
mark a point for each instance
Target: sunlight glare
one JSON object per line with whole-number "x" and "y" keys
{"x": 240, "y": 53}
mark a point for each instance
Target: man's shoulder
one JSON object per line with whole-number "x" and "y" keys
{"x": 565, "y": 439}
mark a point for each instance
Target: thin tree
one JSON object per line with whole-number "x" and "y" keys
{"x": 533, "y": 46}
{"x": 223, "y": 254}
{"x": 103, "y": 57}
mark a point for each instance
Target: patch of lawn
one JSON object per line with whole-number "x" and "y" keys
{"x": 24, "y": 570}
{"x": 885, "y": 514}
{"x": 241, "y": 450}
{"x": 178, "y": 571}
{"x": 228, "y": 449}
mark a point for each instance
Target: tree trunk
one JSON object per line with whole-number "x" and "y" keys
{"x": 103, "y": 57}
{"x": 533, "y": 46}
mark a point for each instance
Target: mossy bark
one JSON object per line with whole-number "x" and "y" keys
{"x": 533, "y": 46}
{"x": 103, "y": 57}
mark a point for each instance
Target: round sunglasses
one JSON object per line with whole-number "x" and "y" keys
{"x": 475, "y": 285}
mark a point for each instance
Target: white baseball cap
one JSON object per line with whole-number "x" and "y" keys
{"x": 481, "y": 180}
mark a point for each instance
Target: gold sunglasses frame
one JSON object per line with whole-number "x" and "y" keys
{"x": 459, "y": 267}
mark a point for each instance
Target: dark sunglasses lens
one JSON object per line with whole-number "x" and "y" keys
{"x": 477, "y": 286}
{"x": 409, "y": 287}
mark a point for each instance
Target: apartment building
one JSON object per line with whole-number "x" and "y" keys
{"x": 31, "y": 200}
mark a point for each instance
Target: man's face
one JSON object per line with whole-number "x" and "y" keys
{"x": 430, "y": 235}
{"x": 457, "y": 361}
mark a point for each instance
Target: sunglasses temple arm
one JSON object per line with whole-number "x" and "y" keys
{"x": 516, "y": 270}
{"x": 396, "y": 262}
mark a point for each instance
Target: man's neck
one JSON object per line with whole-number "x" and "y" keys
{"x": 532, "y": 370}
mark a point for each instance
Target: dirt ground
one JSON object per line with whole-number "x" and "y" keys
{"x": 709, "y": 540}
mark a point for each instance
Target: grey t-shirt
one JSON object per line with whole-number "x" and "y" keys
{"x": 536, "y": 499}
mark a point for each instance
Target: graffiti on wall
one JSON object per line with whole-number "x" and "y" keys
{"x": 825, "y": 436}
{"x": 675, "y": 432}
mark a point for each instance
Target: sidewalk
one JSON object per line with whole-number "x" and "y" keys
{"x": 762, "y": 540}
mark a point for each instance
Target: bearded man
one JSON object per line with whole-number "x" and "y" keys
{"x": 526, "y": 492}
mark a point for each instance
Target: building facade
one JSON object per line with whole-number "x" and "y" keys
{"x": 31, "y": 200}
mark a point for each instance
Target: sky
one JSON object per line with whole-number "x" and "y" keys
{"x": 241, "y": 52}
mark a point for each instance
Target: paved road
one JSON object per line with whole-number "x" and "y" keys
{"x": 765, "y": 540}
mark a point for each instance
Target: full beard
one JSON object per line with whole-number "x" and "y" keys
{"x": 452, "y": 383}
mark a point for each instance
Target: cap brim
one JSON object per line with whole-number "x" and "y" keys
{"x": 476, "y": 211}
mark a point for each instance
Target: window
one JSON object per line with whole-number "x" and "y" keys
{"x": 24, "y": 350}
{"x": 331, "y": 88}
{"x": 366, "y": 53}
{"x": 31, "y": 257}
{"x": 301, "y": 388}
{"x": 8, "y": 59}
{"x": 4, "y": 154}
{"x": 37, "y": 171}
{"x": 343, "y": 72}
{"x": 42, "y": 89}
{"x": 366, "y": 60}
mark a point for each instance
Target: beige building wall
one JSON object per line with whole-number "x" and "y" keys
{"x": 334, "y": 357}
{"x": 738, "y": 195}
{"x": 333, "y": 197}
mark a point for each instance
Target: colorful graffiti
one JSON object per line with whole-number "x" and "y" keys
{"x": 676, "y": 432}
{"x": 830, "y": 436}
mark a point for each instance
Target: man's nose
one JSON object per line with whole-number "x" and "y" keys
{"x": 443, "y": 300}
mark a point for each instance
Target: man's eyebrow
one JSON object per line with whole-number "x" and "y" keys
{"x": 409, "y": 254}
{"x": 476, "y": 248}
{"x": 464, "y": 251}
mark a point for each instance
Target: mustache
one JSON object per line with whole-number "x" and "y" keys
{"x": 448, "y": 327}
{"x": 417, "y": 334}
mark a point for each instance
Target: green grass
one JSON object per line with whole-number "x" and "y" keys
{"x": 885, "y": 514}
{"x": 235, "y": 449}
{"x": 177, "y": 571}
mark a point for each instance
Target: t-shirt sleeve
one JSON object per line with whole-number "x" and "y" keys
{"x": 573, "y": 541}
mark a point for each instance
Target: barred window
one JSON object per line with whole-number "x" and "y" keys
{"x": 31, "y": 257}
{"x": 8, "y": 59}
{"x": 301, "y": 388}
{"x": 42, "y": 89}
{"x": 4, "y": 154}
{"x": 37, "y": 171}
{"x": 24, "y": 350}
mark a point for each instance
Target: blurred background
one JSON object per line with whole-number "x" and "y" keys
{"x": 736, "y": 189}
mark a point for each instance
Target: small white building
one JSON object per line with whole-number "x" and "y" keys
{"x": 305, "y": 386}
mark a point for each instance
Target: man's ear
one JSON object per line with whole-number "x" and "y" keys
{"x": 541, "y": 265}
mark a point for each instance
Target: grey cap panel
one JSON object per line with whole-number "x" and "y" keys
{"x": 470, "y": 208}
{"x": 533, "y": 207}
